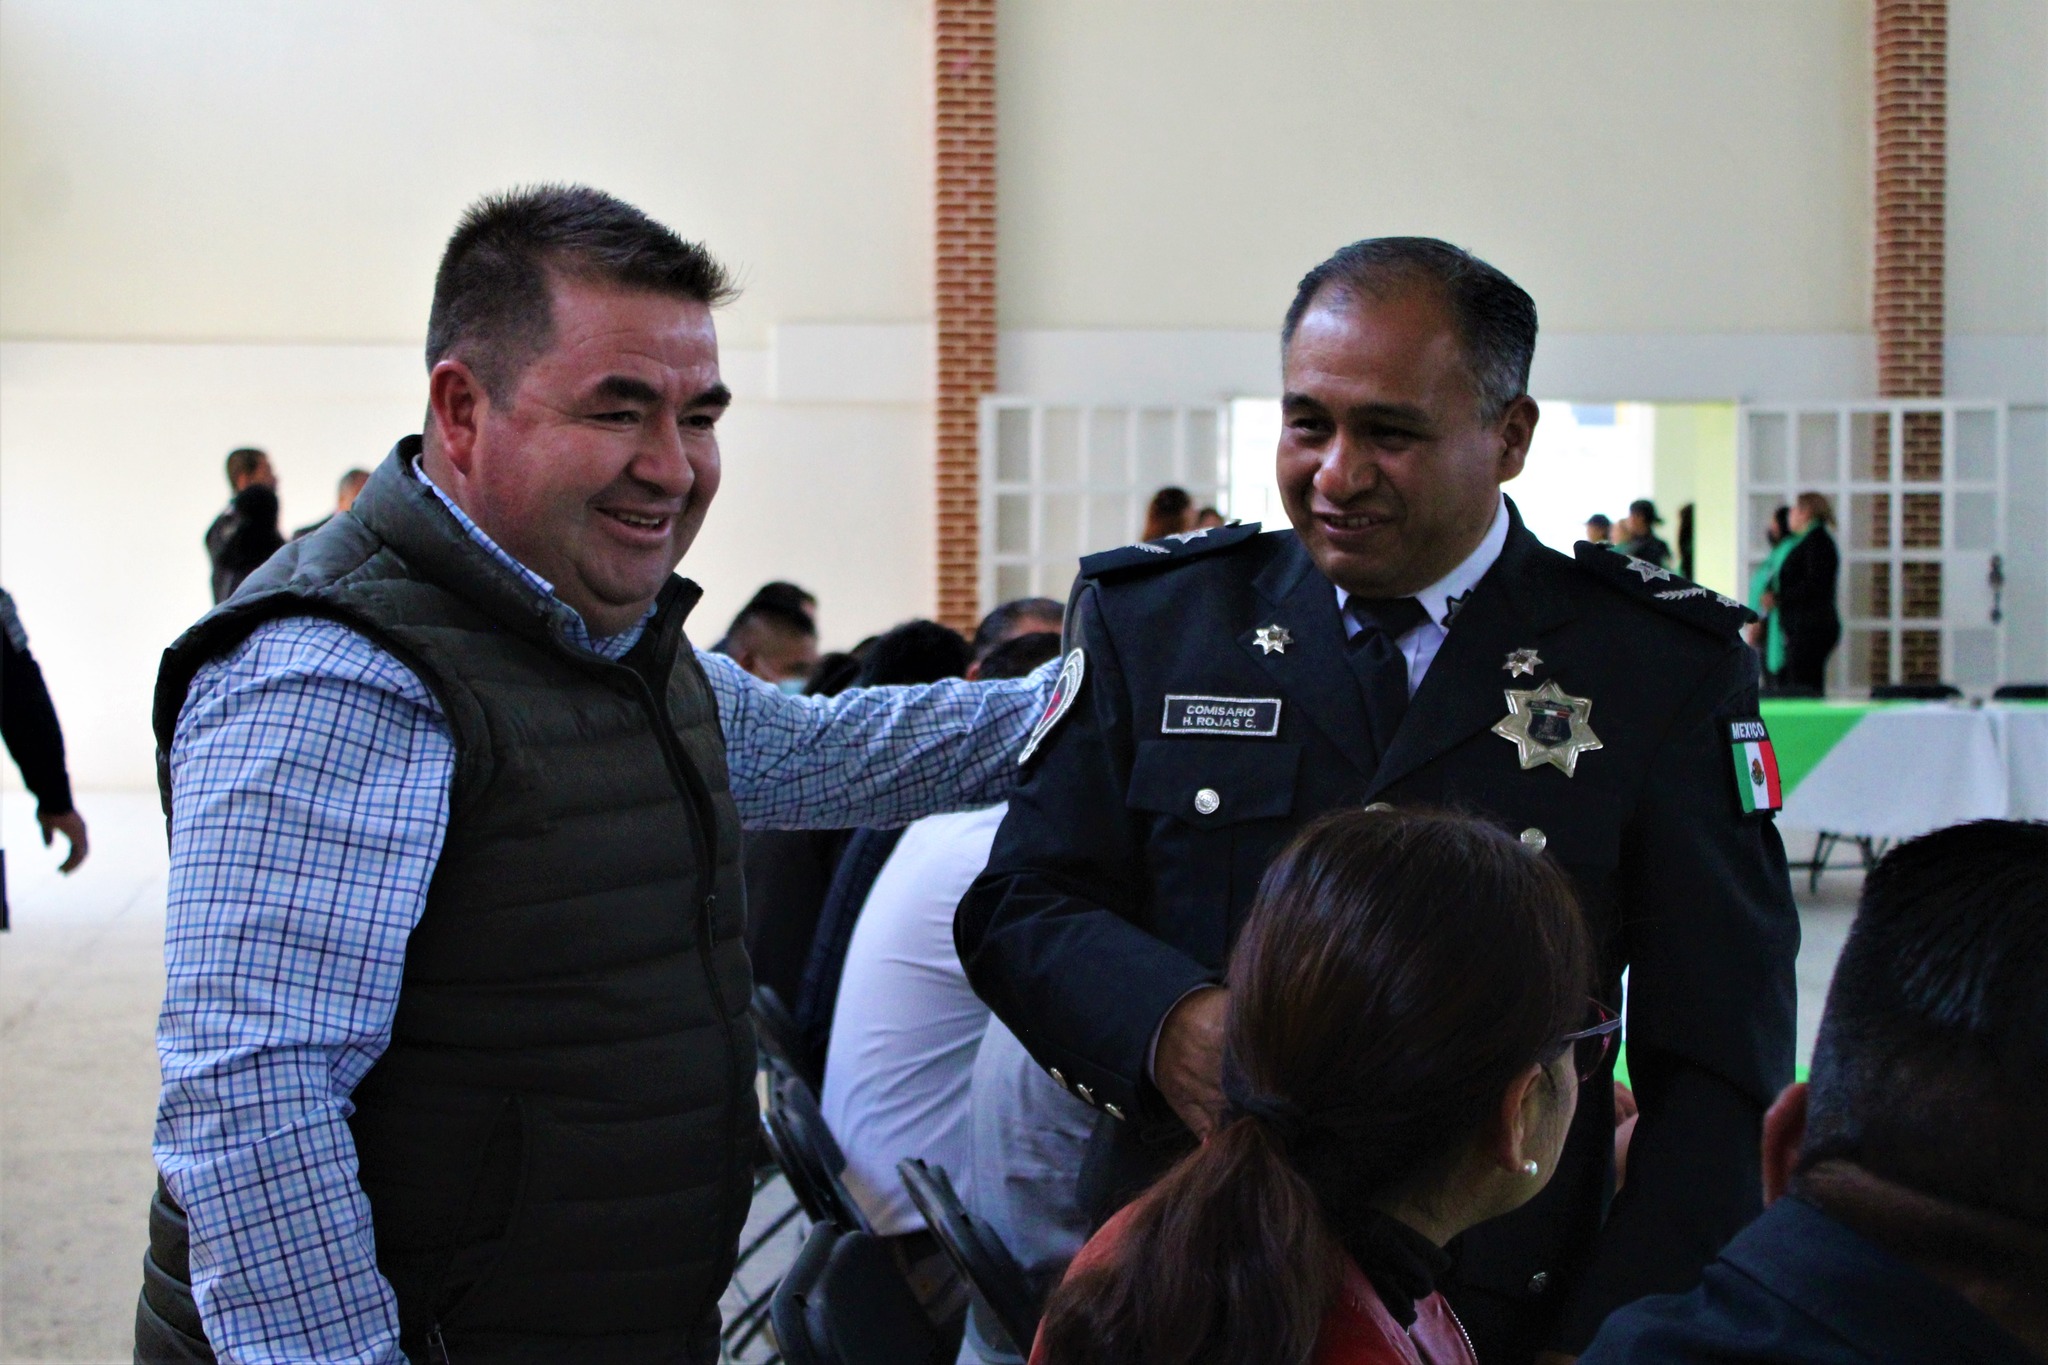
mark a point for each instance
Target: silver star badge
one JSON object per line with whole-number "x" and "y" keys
{"x": 1650, "y": 572}
{"x": 1549, "y": 725}
{"x": 1523, "y": 663}
{"x": 1272, "y": 639}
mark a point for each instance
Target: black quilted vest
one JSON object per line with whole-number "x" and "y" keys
{"x": 557, "y": 1146}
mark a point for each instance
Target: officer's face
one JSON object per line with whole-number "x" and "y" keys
{"x": 1389, "y": 475}
{"x": 597, "y": 469}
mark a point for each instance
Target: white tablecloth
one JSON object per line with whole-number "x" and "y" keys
{"x": 1905, "y": 770}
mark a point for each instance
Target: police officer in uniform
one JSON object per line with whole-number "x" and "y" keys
{"x": 1409, "y": 642}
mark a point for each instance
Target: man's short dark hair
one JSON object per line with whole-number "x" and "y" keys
{"x": 492, "y": 306}
{"x": 1494, "y": 317}
{"x": 917, "y": 651}
{"x": 787, "y": 596}
{"x": 1018, "y": 655}
{"x": 244, "y": 461}
{"x": 1931, "y": 1069}
{"x": 1002, "y": 622}
{"x": 355, "y": 478}
{"x": 772, "y": 616}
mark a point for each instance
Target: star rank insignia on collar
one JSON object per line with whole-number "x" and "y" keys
{"x": 1548, "y": 725}
{"x": 1185, "y": 536}
{"x": 1272, "y": 639}
{"x": 1523, "y": 663}
{"x": 1649, "y": 571}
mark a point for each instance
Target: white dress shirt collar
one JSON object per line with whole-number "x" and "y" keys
{"x": 1441, "y": 598}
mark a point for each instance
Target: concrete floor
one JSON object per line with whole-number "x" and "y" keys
{"x": 80, "y": 977}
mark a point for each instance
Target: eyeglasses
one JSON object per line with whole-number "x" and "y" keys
{"x": 1589, "y": 1046}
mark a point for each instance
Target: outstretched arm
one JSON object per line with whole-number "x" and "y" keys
{"x": 877, "y": 756}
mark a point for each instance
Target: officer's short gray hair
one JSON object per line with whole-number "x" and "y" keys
{"x": 1495, "y": 318}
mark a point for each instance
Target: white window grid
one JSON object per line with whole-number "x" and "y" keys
{"x": 1063, "y": 480}
{"x": 1831, "y": 449}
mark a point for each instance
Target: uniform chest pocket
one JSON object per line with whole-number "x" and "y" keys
{"x": 1210, "y": 782}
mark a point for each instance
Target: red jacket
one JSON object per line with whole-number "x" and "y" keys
{"x": 1358, "y": 1330}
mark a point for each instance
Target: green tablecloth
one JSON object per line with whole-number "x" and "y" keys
{"x": 1802, "y": 732}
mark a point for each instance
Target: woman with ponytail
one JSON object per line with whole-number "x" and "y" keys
{"x": 1408, "y": 1029}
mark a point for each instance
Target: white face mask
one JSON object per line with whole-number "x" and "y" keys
{"x": 793, "y": 686}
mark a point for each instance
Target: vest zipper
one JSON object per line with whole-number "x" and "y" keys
{"x": 703, "y": 838}
{"x": 437, "y": 1349}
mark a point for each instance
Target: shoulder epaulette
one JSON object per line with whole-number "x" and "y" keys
{"x": 1173, "y": 549}
{"x": 1688, "y": 601}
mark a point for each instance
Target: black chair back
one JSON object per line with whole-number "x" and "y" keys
{"x": 781, "y": 1041}
{"x": 809, "y": 1156}
{"x": 844, "y": 1302}
{"x": 976, "y": 1250}
{"x": 2021, "y": 692}
{"x": 1915, "y": 692}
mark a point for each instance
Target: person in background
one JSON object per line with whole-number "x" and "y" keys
{"x": 1685, "y": 555}
{"x": 774, "y": 641}
{"x": 28, "y": 724}
{"x": 1021, "y": 616}
{"x": 245, "y": 533}
{"x": 787, "y": 596}
{"x": 1402, "y": 1060}
{"x": 1908, "y": 1190}
{"x": 914, "y": 652}
{"x": 1208, "y": 519}
{"x": 1767, "y": 632}
{"x": 1171, "y": 512}
{"x": 789, "y": 872}
{"x": 344, "y": 498}
{"x": 1599, "y": 530}
{"x": 1804, "y": 595}
{"x": 1638, "y": 534}
{"x": 906, "y": 1025}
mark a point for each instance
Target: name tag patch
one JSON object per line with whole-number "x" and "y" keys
{"x": 1253, "y": 717}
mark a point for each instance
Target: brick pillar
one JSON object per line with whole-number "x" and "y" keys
{"x": 1912, "y": 171}
{"x": 1907, "y": 305}
{"x": 964, "y": 234}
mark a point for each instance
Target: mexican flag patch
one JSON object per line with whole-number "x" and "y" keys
{"x": 1756, "y": 766}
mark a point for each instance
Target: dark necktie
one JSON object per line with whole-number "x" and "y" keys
{"x": 1382, "y": 669}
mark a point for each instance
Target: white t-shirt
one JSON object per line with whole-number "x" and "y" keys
{"x": 907, "y": 1025}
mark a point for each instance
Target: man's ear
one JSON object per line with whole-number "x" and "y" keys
{"x": 456, "y": 401}
{"x": 1784, "y": 1135}
{"x": 1517, "y": 430}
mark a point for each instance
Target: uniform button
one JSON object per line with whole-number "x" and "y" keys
{"x": 1087, "y": 1096}
{"x": 1057, "y": 1079}
{"x": 1113, "y": 1112}
{"x": 1535, "y": 839}
{"x": 1207, "y": 801}
{"x": 1378, "y": 806}
{"x": 1539, "y": 1282}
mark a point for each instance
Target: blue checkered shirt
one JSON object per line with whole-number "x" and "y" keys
{"x": 311, "y": 773}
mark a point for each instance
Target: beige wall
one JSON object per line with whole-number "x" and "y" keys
{"x": 1640, "y": 165}
{"x": 286, "y": 170}
{"x": 1998, "y": 167}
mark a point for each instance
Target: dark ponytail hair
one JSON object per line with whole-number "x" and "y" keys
{"x": 1397, "y": 972}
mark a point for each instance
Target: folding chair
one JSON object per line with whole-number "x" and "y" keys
{"x": 976, "y": 1250}
{"x": 809, "y": 1156}
{"x": 844, "y": 1302}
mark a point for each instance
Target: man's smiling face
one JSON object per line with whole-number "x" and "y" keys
{"x": 596, "y": 469}
{"x": 1386, "y": 466}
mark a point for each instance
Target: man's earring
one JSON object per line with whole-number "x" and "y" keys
{"x": 1530, "y": 1167}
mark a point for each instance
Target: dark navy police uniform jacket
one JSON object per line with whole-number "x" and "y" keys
{"x": 1193, "y": 752}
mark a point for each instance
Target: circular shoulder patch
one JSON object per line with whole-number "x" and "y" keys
{"x": 1064, "y": 690}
